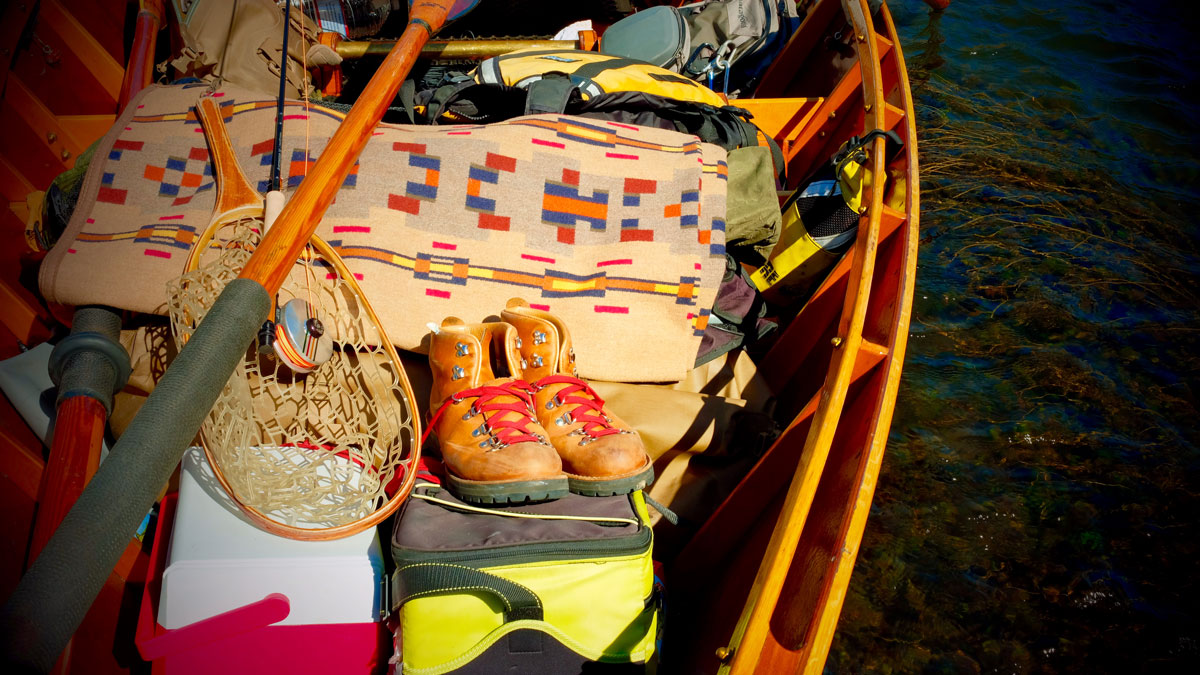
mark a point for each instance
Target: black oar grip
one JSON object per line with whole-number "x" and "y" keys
{"x": 54, "y": 595}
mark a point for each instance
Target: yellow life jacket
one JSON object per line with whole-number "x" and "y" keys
{"x": 592, "y": 73}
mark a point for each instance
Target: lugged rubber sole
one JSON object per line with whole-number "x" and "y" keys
{"x": 591, "y": 487}
{"x": 513, "y": 492}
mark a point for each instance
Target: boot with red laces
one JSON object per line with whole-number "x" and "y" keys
{"x": 601, "y": 454}
{"x": 494, "y": 449}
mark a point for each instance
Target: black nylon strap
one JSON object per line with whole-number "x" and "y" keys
{"x": 407, "y": 96}
{"x": 590, "y": 70}
{"x": 549, "y": 94}
{"x": 857, "y": 142}
{"x": 426, "y": 579}
{"x": 442, "y": 97}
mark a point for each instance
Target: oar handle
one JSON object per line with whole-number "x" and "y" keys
{"x": 55, "y": 594}
{"x": 297, "y": 222}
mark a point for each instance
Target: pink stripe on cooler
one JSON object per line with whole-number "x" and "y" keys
{"x": 295, "y": 117}
{"x": 351, "y": 228}
{"x": 437, "y": 294}
{"x": 458, "y": 133}
{"x": 623, "y": 126}
{"x": 544, "y": 308}
{"x": 179, "y": 217}
{"x": 610, "y": 309}
{"x": 622, "y": 261}
{"x": 444, "y": 246}
{"x": 617, "y": 155}
{"x": 537, "y": 258}
{"x": 70, "y": 250}
{"x": 552, "y": 144}
{"x": 157, "y": 254}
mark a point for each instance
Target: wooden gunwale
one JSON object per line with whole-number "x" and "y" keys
{"x": 788, "y": 621}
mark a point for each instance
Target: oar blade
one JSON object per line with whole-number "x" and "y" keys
{"x": 457, "y": 8}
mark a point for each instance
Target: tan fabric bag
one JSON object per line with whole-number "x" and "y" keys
{"x": 249, "y": 56}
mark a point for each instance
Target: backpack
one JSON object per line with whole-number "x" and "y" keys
{"x": 468, "y": 102}
{"x": 727, "y": 41}
{"x": 245, "y": 49}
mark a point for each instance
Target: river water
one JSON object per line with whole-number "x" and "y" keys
{"x": 1037, "y": 508}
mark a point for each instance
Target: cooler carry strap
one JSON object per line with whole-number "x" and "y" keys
{"x": 423, "y": 579}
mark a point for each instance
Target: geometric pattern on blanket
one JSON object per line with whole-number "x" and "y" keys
{"x": 618, "y": 229}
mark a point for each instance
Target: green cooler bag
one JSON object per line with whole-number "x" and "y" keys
{"x": 554, "y": 587}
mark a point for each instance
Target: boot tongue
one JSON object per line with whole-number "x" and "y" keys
{"x": 545, "y": 353}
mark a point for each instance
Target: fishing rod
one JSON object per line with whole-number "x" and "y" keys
{"x": 54, "y": 595}
{"x": 275, "y": 199}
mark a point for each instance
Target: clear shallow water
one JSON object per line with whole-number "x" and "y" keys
{"x": 1037, "y": 507}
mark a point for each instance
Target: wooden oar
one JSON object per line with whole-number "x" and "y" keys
{"x": 53, "y": 596}
{"x": 80, "y": 420}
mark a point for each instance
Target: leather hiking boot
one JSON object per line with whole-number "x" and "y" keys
{"x": 494, "y": 449}
{"x": 601, "y": 454}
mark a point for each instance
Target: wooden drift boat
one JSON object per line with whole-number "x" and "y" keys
{"x": 760, "y": 586}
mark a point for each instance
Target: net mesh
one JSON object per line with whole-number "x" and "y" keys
{"x": 311, "y": 450}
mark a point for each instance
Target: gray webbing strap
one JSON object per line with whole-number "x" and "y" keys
{"x": 426, "y": 579}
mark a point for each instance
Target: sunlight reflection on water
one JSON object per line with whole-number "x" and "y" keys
{"x": 1036, "y": 508}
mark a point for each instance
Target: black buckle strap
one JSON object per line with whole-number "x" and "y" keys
{"x": 859, "y": 143}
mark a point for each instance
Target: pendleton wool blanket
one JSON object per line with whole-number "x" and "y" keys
{"x": 616, "y": 228}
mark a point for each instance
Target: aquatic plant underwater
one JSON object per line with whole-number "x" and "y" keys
{"x": 1037, "y": 508}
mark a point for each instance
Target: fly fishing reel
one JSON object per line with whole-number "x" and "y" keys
{"x": 296, "y": 337}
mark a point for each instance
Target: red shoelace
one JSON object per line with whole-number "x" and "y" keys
{"x": 588, "y": 406}
{"x": 491, "y": 399}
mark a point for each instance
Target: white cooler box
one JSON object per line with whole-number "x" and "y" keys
{"x": 234, "y": 596}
